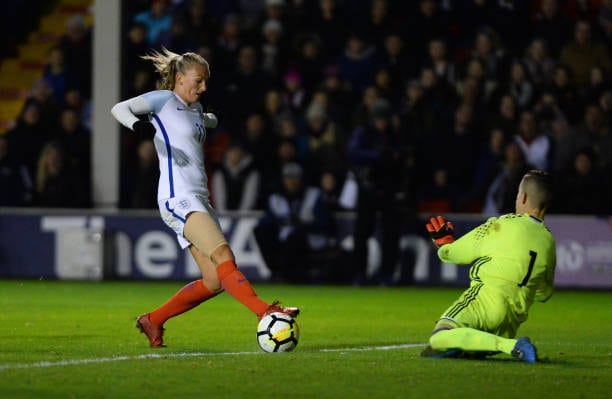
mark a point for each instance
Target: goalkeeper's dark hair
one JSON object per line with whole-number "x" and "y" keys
{"x": 539, "y": 187}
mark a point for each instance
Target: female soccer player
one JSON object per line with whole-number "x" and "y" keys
{"x": 175, "y": 118}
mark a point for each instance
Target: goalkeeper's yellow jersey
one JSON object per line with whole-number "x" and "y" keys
{"x": 515, "y": 253}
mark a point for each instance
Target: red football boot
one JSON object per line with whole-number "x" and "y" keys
{"x": 276, "y": 308}
{"x": 154, "y": 332}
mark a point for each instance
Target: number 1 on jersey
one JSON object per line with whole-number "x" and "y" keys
{"x": 532, "y": 255}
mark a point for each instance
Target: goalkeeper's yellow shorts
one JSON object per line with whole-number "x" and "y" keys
{"x": 483, "y": 308}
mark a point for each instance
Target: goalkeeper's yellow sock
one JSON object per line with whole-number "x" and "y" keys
{"x": 470, "y": 340}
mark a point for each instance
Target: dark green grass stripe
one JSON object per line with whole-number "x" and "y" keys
{"x": 467, "y": 300}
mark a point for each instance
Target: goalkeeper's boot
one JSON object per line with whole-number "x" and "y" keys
{"x": 436, "y": 354}
{"x": 154, "y": 332}
{"x": 276, "y": 308}
{"x": 524, "y": 350}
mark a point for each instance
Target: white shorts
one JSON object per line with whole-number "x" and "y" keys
{"x": 174, "y": 213}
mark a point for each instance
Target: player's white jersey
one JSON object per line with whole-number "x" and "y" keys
{"x": 179, "y": 143}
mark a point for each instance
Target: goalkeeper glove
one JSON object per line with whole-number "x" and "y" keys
{"x": 144, "y": 129}
{"x": 440, "y": 231}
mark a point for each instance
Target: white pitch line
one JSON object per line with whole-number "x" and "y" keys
{"x": 96, "y": 360}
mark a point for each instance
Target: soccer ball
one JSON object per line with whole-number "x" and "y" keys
{"x": 278, "y": 332}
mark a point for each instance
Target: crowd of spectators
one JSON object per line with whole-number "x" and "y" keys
{"x": 425, "y": 106}
{"x": 45, "y": 157}
{"x": 430, "y": 106}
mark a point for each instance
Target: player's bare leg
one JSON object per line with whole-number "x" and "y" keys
{"x": 203, "y": 231}
{"x": 188, "y": 297}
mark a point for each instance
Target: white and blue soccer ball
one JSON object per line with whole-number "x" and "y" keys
{"x": 278, "y": 332}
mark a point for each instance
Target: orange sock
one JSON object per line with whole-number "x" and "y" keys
{"x": 234, "y": 282}
{"x": 186, "y": 298}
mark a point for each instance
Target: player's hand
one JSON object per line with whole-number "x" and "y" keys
{"x": 210, "y": 120}
{"x": 211, "y": 117}
{"x": 440, "y": 231}
{"x": 144, "y": 129}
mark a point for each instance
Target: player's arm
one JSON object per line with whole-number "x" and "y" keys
{"x": 464, "y": 250}
{"x": 545, "y": 291}
{"x": 127, "y": 112}
{"x": 441, "y": 232}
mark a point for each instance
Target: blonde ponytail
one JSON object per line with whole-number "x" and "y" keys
{"x": 167, "y": 64}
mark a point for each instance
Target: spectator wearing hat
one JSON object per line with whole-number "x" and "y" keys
{"x": 273, "y": 10}
{"x": 294, "y": 95}
{"x": 297, "y": 222}
{"x": 272, "y": 49}
{"x": 325, "y": 140}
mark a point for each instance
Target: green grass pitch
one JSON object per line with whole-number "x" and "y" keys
{"x": 77, "y": 340}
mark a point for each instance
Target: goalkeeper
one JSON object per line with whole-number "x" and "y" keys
{"x": 512, "y": 262}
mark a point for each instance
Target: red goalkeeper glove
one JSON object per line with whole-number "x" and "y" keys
{"x": 440, "y": 231}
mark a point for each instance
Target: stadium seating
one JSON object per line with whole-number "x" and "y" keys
{"x": 17, "y": 74}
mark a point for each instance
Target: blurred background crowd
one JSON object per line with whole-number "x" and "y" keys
{"x": 424, "y": 106}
